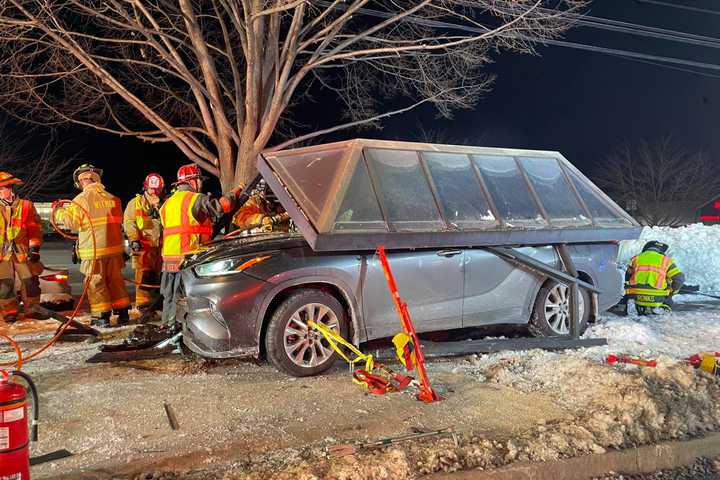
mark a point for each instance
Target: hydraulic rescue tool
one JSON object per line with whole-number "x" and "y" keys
{"x": 14, "y": 436}
{"x": 612, "y": 359}
{"x": 427, "y": 394}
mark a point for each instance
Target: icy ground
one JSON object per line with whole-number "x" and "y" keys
{"x": 245, "y": 421}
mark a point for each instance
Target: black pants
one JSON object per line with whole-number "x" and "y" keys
{"x": 169, "y": 288}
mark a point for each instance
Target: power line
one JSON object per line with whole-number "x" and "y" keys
{"x": 631, "y": 55}
{"x": 681, "y": 7}
{"x": 628, "y": 27}
{"x": 671, "y": 67}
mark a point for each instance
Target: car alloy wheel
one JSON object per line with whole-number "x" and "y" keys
{"x": 557, "y": 308}
{"x": 305, "y": 346}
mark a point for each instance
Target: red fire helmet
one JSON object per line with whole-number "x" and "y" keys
{"x": 154, "y": 180}
{"x": 189, "y": 172}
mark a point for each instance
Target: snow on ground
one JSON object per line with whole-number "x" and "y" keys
{"x": 695, "y": 248}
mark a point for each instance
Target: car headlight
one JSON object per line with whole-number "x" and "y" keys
{"x": 228, "y": 266}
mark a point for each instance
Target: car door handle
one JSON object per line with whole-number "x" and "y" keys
{"x": 449, "y": 253}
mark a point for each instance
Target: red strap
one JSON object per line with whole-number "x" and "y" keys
{"x": 376, "y": 384}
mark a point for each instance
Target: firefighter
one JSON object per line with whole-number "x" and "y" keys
{"x": 103, "y": 262}
{"x": 20, "y": 241}
{"x": 188, "y": 217}
{"x": 257, "y": 213}
{"x": 144, "y": 232}
{"x": 652, "y": 279}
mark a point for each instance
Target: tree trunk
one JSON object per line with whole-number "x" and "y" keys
{"x": 245, "y": 164}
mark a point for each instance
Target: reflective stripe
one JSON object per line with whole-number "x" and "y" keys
{"x": 100, "y": 307}
{"x": 18, "y": 220}
{"x": 647, "y": 291}
{"x": 185, "y": 222}
{"x": 139, "y": 215}
{"x": 121, "y": 302}
{"x": 87, "y": 253}
{"x": 660, "y": 282}
{"x": 199, "y": 229}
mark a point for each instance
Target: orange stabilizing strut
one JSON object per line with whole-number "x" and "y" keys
{"x": 427, "y": 394}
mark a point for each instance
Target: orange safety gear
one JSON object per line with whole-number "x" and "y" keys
{"x": 7, "y": 179}
{"x": 142, "y": 224}
{"x": 20, "y": 229}
{"x": 188, "y": 172}
{"x": 20, "y": 232}
{"x": 154, "y": 180}
{"x": 105, "y": 221}
{"x": 106, "y": 286}
{"x": 251, "y": 214}
{"x": 182, "y": 233}
{"x": 85, "y": 167}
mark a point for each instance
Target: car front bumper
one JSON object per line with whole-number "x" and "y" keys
{"x": 219, "y": 314}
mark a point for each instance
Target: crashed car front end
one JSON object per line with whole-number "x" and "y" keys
{"x": 221, "y": 293}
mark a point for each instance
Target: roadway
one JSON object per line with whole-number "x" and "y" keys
{"x": 58, "y": 253}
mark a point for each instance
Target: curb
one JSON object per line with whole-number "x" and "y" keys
{"x": 645, "y": 459}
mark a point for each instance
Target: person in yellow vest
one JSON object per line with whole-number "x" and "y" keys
{"x": 256, "y": 214}
{"x": 102, "y": 264}
{"x": 188, "y": 217}
{"x": 21, "y": 238}
{"x": 144, "y": 232}
{"x": 652, "y": 279}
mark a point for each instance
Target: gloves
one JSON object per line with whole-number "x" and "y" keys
{"x": 135, "y": 246}
{"x": 267, "y": 224}
{"x": 34, "y": 255}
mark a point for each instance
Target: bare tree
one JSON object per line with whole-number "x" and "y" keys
{"x": 42, "y": 169}
{"x": 660, "y": 180}
{"x": 217, "y": 77}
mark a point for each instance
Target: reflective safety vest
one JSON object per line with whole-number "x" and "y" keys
{"x": 140, "y": 225}
{"x": 182, "y": 233}
{"x": 22, "y": 227}
{"x": 650, "y": 274}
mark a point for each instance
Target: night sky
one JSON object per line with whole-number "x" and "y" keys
{"x": 581, "y": 103}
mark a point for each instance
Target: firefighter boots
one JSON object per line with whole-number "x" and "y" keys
{"x": 123, "y": 316}
{"x": 100, "y": 320}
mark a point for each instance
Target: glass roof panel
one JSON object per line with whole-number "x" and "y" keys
{"x": 509, "y": 190}
{"x": 312, "y": 177}
{"x": 357, "y": 194}
{"x": 555, "y": 193}
{"x": 359, "y": 209}
{"x": 599, "y": 208}
{"x": 403, "y": 190}
{"x": 459, "y": 190}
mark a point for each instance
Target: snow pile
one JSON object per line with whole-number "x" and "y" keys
{"x": 695, "y": 248}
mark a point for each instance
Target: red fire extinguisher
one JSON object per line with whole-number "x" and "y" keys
{"x": 14, "y": 452}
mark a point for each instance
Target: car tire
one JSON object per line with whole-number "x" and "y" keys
{"x": 291, "y": 346}
{"x": 551, "y": 311}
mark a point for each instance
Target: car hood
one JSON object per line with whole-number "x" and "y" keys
{"x": 230, "y": 247}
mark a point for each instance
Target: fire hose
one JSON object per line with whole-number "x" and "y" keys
{"x": 24, "y": 358}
